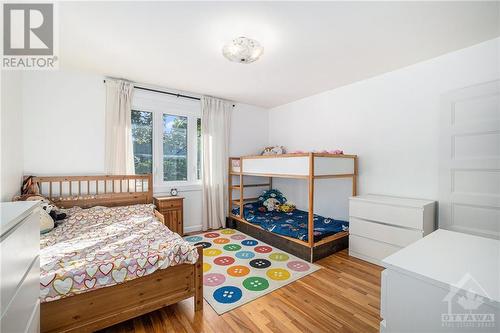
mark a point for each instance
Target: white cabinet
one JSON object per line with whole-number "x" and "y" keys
{"x": 20, "y": 266}
{"x": 380, "y": 225}
{"x": 445, "y": 282}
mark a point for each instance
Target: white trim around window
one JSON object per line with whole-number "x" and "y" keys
{"x": 160, "y": 104}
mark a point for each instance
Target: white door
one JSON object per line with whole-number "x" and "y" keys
{"x": 469, "y": 198}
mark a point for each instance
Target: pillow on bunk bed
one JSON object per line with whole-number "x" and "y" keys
{"x": 271, "y": 199}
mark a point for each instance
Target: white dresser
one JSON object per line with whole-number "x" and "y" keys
{"x": 20, "y": 267}
{"x": 446, "y": 282}
{"x": 380, "y": 225}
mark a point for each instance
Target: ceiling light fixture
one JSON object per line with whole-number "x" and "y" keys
{"x": 243, "y": 50}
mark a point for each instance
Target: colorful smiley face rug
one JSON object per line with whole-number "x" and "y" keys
{"x": 238, "y": 268}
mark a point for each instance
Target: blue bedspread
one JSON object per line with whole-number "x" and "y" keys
{"x": 293, "y": 224}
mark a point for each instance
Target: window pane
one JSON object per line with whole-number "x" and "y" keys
{"x": 174, "y": 148}
{"x": 198, "y": 148}
{"x": 142, "y": 138}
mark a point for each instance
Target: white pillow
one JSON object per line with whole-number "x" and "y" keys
{"x": 46, "y": 222}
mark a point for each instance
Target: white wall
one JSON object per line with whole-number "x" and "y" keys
{"x": 391, "y": 121}
{"x": 64, "y": 123}
{"x": 64, "y": 130}
{"x": 11, "y": 135}
{"x": 249, "y": 130}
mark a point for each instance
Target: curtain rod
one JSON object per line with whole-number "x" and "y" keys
{"x": 167, "y": 93}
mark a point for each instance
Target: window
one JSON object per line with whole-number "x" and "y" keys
{"x": 142, "y": 138}
{"x": 166, "y": 135}
{"x": 175, "y": 148}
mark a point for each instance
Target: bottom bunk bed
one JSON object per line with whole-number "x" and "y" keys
{"x": 291, "y": 224}
{"x": 289, "y": 231}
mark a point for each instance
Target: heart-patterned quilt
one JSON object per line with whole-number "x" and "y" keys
{"x": 100, "y": 247}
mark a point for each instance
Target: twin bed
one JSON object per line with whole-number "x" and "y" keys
{"x": 113, "y": 261}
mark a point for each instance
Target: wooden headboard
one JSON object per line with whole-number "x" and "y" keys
{"x": 89, "y": 191}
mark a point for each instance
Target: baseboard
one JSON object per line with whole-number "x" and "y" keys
{"x": 192, "y": 228}
{"x": 364, "y": 257}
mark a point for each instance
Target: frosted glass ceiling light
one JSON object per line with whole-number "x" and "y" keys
{"x": 243, "y": 50}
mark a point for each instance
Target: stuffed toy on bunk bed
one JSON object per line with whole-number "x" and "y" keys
{"x": 274, "y": 150}
{"x": 271, "y": 200}
{"x": 287, "y": 207}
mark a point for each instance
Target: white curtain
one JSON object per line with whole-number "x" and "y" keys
{"x": 215, "y": 115}
{"x": 119, "y": 154}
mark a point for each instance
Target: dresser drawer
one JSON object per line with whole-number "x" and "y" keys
{"x": 369, "y": 249}
{"x": 19, "y": 248}
{"x": 20, "y": 311}
{"x": 168, "y": 204}
{"x": 383, "y": 232}
{"x": 408, "y": 217}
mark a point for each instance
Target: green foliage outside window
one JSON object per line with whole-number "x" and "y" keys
{"x": 175, "y": 145}
{"x": 142, "y": 138}
{"x": 175, "y": 134}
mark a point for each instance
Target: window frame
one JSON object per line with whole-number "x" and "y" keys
{"x": 160, "y": 104}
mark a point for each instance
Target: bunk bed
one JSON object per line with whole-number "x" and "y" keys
{"x": 310, "y": 167}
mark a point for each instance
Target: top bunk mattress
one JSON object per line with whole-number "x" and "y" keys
{"x": 100, "y": 247}
{"x": 293, "y": 224}
{"x": 294, "y": 165}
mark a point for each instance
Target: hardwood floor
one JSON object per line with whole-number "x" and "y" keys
{"x": 344, "y": 296}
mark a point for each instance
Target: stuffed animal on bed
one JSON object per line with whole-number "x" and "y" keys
{"x": 272, "y": 199}
{"x": 272, "y": 205}
{"x": 46, "y": 222}
{"x": 50, "y": 215}
{"x": 49, "y": 207}
{"x": 287, "y": 207}
{"x": 276, "y": 150}
{"x": 29, "y": 187}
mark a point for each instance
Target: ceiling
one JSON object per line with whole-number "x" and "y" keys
{"x": 309, "y": 47}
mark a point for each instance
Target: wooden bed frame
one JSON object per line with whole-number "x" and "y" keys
{"x": 104, "y": 307}
{"x": 310, "y": 250}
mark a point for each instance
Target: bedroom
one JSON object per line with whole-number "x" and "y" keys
{"x": 310, "y": 166}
